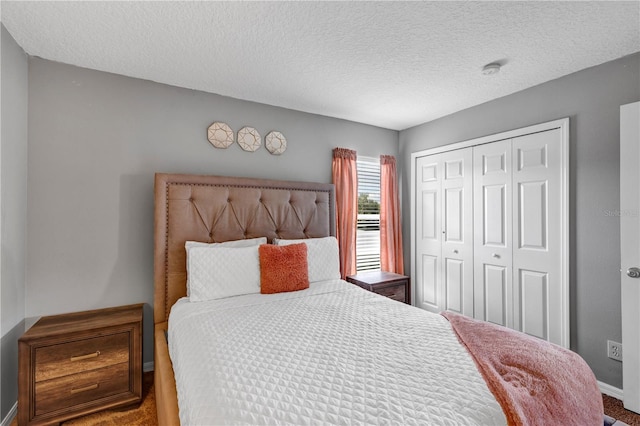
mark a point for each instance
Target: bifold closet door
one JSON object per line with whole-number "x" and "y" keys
{"x": 517, "y": 227}
{"x": 444, "y": 234}
{"x": 490, "y": 229}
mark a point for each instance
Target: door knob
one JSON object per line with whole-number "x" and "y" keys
{"x": 633, "y": 272}
{"x": 455, "y": 251}
{"x": 496, "y": 255}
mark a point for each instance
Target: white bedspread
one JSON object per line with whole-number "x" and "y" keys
{"x": 331, "y": 354}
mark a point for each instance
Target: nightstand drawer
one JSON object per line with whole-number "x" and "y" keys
{"x": 76, "y": 389}
{"x": 396, "y": 292}
{"x": 82, "y": 355}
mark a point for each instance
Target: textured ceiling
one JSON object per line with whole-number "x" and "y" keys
{"x": 389, "y": 64}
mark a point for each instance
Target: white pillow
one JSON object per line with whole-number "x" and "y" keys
{"x": 322, "y": 256}
{"x": 247, "y": 242}
{"x": 217, "y": 272}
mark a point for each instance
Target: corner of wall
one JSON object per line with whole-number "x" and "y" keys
{"x": 14, "y": 76}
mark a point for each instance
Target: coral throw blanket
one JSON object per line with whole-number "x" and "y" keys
{"x": 535, "y": 382}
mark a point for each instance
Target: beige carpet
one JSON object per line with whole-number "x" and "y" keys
{"x": 145, "y": 413}
{"x": 614, "y": 408}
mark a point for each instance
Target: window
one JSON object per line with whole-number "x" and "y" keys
{"x": 368, "y": 232}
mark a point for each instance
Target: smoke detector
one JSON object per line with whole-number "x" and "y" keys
{"x": 491, "y": 69}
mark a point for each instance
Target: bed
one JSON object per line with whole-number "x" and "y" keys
{"x": 331, "y": 353}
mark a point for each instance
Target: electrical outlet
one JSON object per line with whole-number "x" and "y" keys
{"x": 614, "y": 350}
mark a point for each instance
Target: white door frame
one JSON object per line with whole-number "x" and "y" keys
{"x": 630, "y": 252}
{"x": 563, "y": 125}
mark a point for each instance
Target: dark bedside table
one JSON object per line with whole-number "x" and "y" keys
{"x": 75, "y": 364}
{"x": 394, "y": 286}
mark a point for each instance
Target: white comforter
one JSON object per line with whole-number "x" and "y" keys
{"x": 331, "y": 354}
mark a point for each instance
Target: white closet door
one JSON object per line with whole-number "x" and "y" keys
{"x": 428, "y": 235}
{"x": 493, "y": 232}
{"x": 444, "y": 235}
{"x": 538, "y": 294}
{"x": 457, "y": 231}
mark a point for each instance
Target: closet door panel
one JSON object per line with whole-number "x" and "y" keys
{"x": 493, "y": 232}
{"x": 429, "y": 282}
{"x": 532, "y": 215}
{"x": 495, "y": 293}
{"x": 430, "y": 216}
{"x": 454, "y": 215}
{"x": 457, "y": 231}
{"x": 428, "y": 233}
{"x": 538, "y": 293}
{"x": 533, "y": 303}
{"x": 494, "y": 225}
{"x": 454, "y": 284}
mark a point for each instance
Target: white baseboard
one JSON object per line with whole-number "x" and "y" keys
{"x": 146, "y": 367}
{"x": 611, "y": 391}
{"x": 12, "y": 415}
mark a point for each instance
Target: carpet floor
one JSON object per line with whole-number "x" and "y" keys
{"x": 145, "y": 413}
{"x": 614, "y": 408}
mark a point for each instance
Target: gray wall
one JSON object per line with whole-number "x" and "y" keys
{"x": 13, "y": 207}
{"x": 591, "y": 98}
{"x": 95, "y": 142}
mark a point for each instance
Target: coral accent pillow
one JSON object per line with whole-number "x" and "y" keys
{"x": 283, "y": 268}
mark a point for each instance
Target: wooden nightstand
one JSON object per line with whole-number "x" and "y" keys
{"x": 75, "y": 364}
{"x": 394, "y": 286}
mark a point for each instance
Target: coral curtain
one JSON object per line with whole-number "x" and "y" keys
{"x": 391, "y": 259}
{"x": 345, "y": 178}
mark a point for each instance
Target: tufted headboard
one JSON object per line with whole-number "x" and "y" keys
{"x": 217, "y": 208}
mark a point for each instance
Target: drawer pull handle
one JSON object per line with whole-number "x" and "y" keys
{"x": 87, "y": 356}
{"x": 85, "y": 388}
